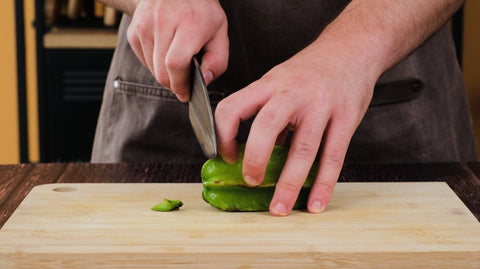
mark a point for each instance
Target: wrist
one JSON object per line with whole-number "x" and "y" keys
{"x": 348, "y": 57}
{"x": 356, "y": 48}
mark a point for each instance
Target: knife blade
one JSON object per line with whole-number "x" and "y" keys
{"x": 200, "y": 112}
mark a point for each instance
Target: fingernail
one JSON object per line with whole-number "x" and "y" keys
{"x": 229, "y": 160}
{"x": 250, "y": 180}
{"x": 182, "y": 98}
{"x": 208, "y": 76}
{"x": 316, "y": 207}
{"x": 279, "y": 209}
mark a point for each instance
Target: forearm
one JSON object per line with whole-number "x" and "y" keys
{"x": 381, "y": 33}
{"x": 127, "y": 6}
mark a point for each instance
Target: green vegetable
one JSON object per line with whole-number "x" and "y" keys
{"x": 168, "y": 205}
{"x": 225, "y": 188}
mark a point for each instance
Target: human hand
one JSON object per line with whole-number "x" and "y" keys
{"x": 166, "y": 34}
{"x": 322, "y": 99}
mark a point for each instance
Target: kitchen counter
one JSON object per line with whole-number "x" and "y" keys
{"x": 16, "y": 181}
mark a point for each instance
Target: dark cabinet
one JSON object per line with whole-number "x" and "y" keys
{"x": 72, "y": 67}
{"x": 72, "y": 95}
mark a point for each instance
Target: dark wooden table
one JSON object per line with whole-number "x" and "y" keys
{"x": 16, "y": 181}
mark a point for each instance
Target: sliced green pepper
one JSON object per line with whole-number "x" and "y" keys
{"x": 168, "y": 205}
{"x": 225, "y": 188}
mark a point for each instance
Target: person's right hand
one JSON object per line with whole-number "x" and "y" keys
{"x": 166, "y": 34}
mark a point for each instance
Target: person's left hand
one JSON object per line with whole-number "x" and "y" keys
{"x": 319, "y": 97}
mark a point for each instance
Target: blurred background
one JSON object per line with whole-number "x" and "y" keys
{"x": 55, "y": 56}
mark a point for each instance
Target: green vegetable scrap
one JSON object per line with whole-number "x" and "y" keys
{"x": 168, "y": 205}
{"x": 225, "y": 188}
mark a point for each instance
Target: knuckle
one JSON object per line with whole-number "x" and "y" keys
{"x": 323, "y": 187}
{"x": 188, "y": 14}
{"x": 131, "y": 35}
{"x": 269, "y": 78}
{"x": 335, "y": 150}
{"x": 175, "y": 62}
{"x": 138, "y": 28}
{"x": 334, "y": 158}
{"x": 223, "y": 108}
{"x": 304, "y": 150}
{"x": 289, "y": 186}
{"x": 212, "y": 12}
{"x": 266, "y": 119}
{"x": 216, "y": 13}
{"x": 254, "y": 163}
{"x": 306, "y": 146}
{"x": 220, "y": 63}
{"x": 220, "y": 19}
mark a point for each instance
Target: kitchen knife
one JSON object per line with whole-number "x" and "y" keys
{"x": 200, "y": 112}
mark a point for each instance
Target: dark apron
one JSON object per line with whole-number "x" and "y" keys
{"x": 140, "y": 121}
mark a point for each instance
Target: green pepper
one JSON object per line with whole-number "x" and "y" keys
{"x": 168, "y": 205}
{"x": 225, "y": 188}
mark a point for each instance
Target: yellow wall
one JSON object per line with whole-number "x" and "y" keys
{"x": 9, "y": 137}
{"x": 31, "y": 66}
{"x": 9, "y": 142}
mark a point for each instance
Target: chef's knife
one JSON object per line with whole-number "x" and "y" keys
{"x": 200, "y": 112}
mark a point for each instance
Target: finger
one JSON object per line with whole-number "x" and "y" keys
{"x": 179, "y": 57}
{"x": 215, "y": 57}
{"x": 304, "y": 147}
{"x": 232, "y": 110}
{"x": 140, "y": 34}
{"x": 147, "y": 47}
{"x": 267, "y": 125}
{"x": 335, "y": 146}
{"x": 163, "y": 39}
{"x": 134, "y": 41}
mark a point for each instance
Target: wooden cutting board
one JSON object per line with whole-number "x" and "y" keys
{"x": 367, "y": 225}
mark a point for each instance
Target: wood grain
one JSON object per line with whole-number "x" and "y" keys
{"x": 367, "y": 224}
{"x": 16, "y": 181}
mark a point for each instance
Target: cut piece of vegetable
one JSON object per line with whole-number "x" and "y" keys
{"x": 168, "y": 205}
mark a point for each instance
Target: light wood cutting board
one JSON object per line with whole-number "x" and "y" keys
{"x": 366, "y": 225}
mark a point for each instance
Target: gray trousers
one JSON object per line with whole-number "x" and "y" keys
{"x": 141, "y": 121}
